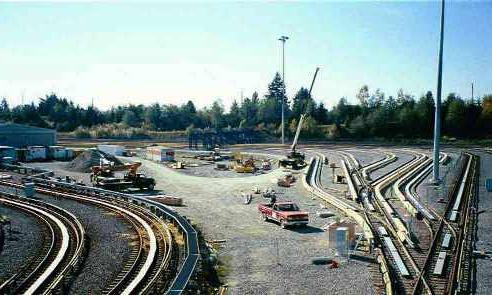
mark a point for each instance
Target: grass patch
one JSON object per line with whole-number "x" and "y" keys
{"x": 224, "y": 266}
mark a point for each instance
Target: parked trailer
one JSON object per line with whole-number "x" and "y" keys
{"x": 36, "y": 153}
{"x": 8, "y": 152}
{"x": 160, "y": 154}
{"x": 60, "y": 153}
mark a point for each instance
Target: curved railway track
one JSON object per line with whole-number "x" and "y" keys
{"x": 387, "y": 226}
{"x": 429, "y": 266}
{"x": 405, "y": 248}
{"x": 61, "y": 254}
{"x": 146, "y": 270}
{"x": 313, "y": 181}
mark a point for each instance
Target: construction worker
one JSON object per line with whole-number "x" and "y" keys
{"x": 273, "y": 199}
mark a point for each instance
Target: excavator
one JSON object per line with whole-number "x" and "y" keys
{"x": 295, "y": 159}
{"x": 103, "y": 176}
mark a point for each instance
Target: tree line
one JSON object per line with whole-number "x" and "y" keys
{"x": 375, "y": 115}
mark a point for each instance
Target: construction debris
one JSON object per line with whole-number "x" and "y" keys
{"x": 286, "y": 181}
{"x": 91, "y": 157}
{"x": 256, "y": 190}
{"x": 247, "y": 197}
{"x": 169, "y": 200}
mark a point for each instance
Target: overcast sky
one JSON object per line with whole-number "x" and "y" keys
{"x": 169, "y": 52}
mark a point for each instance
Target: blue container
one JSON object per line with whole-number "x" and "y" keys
{"x": 29, "y": 190}
{"x": 488, "y": 184}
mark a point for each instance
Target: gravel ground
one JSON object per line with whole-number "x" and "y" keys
{"x": 25, "y": 239}
{"x": 403, "y": 157}
{"x": 327, "y": 174}
{"x": 209, "y": 170}
{"x": 63, "y": 168}
{"x": 250, "y": 251}
{"x": 366, "y": 157}
{"x": 430, "y": 194}
{"x": 252, "y": 265}
{"x": 109, "y": 244}
{"x": 484, "y": 266}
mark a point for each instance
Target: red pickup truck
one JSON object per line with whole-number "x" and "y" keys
{"x": 286, "y": 213}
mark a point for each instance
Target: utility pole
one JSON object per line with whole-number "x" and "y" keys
{"x": 283, "y": 39}
{"x": 472, "y": 99}
{"x": 437, "y": 117}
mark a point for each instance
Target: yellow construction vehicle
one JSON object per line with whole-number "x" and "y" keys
{"x": 243, "y": 166}
{"x": 103, "y": 176}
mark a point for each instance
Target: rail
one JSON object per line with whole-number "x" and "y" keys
{"x": 441, "y": 240}
{"x": 392, "y": 223}
{"x": 192, "y": 251}
{"x": 311, "y": 183}
{"x": 66, "y": 259}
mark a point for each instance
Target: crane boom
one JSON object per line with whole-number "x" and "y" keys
{"x": 312, "y": 83}
{"x": 298, "y": 131}
{"x": 301, "y": 119}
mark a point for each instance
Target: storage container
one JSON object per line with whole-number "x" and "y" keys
{"x": 59, "y": 153}
{"x": 29, "y": 190}
{"x": 7, "y": 152}
{"x": 160, "y": 154}
{"x": 36, "y": 153}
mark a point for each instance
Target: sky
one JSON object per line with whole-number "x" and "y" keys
{"x": 113, "y": 53}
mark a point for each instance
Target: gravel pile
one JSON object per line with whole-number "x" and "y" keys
{"x": 109, "y": 245}
{"x": 89, "y": 158}
{"x": 18, "y": 246}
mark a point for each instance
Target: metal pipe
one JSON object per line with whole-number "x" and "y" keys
{"x": 283, "y": 90}
{"x": 437, "y": 117}
{"x": 283, "y": 39}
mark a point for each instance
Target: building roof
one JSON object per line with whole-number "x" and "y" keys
{"x": 19, "y": 128}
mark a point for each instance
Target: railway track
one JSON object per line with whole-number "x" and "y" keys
{"x": 447, "y": 266}
{"x": 147, "y": 267}
{"x": 189, "y": 253}
{"x": 60, "y": 256}
{"x": 313, "y": 182}
{"x": 405, "y": 258}
{"x": 402, "y": 265}
{"x": 430, "y": 265}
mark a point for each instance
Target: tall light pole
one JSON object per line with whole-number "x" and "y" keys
{"x": 473, "y": 98}
{"x": 437, "y": 117}
{"x": 283, "y": 39}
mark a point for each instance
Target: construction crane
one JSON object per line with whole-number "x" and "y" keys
{"x": 103, "y": 176}
{"x": 294, "y": 159}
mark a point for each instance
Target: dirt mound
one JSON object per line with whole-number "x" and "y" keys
{"x": 89, "y": 158}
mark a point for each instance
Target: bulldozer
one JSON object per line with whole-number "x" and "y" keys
{"x": 241, "y": 165}
{"x": 295, "y": 159}
{"x": 103, "y": 176}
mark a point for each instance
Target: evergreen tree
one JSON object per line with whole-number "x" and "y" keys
{"x": 5, "y": 110}
{"x": 271, "y": 107}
